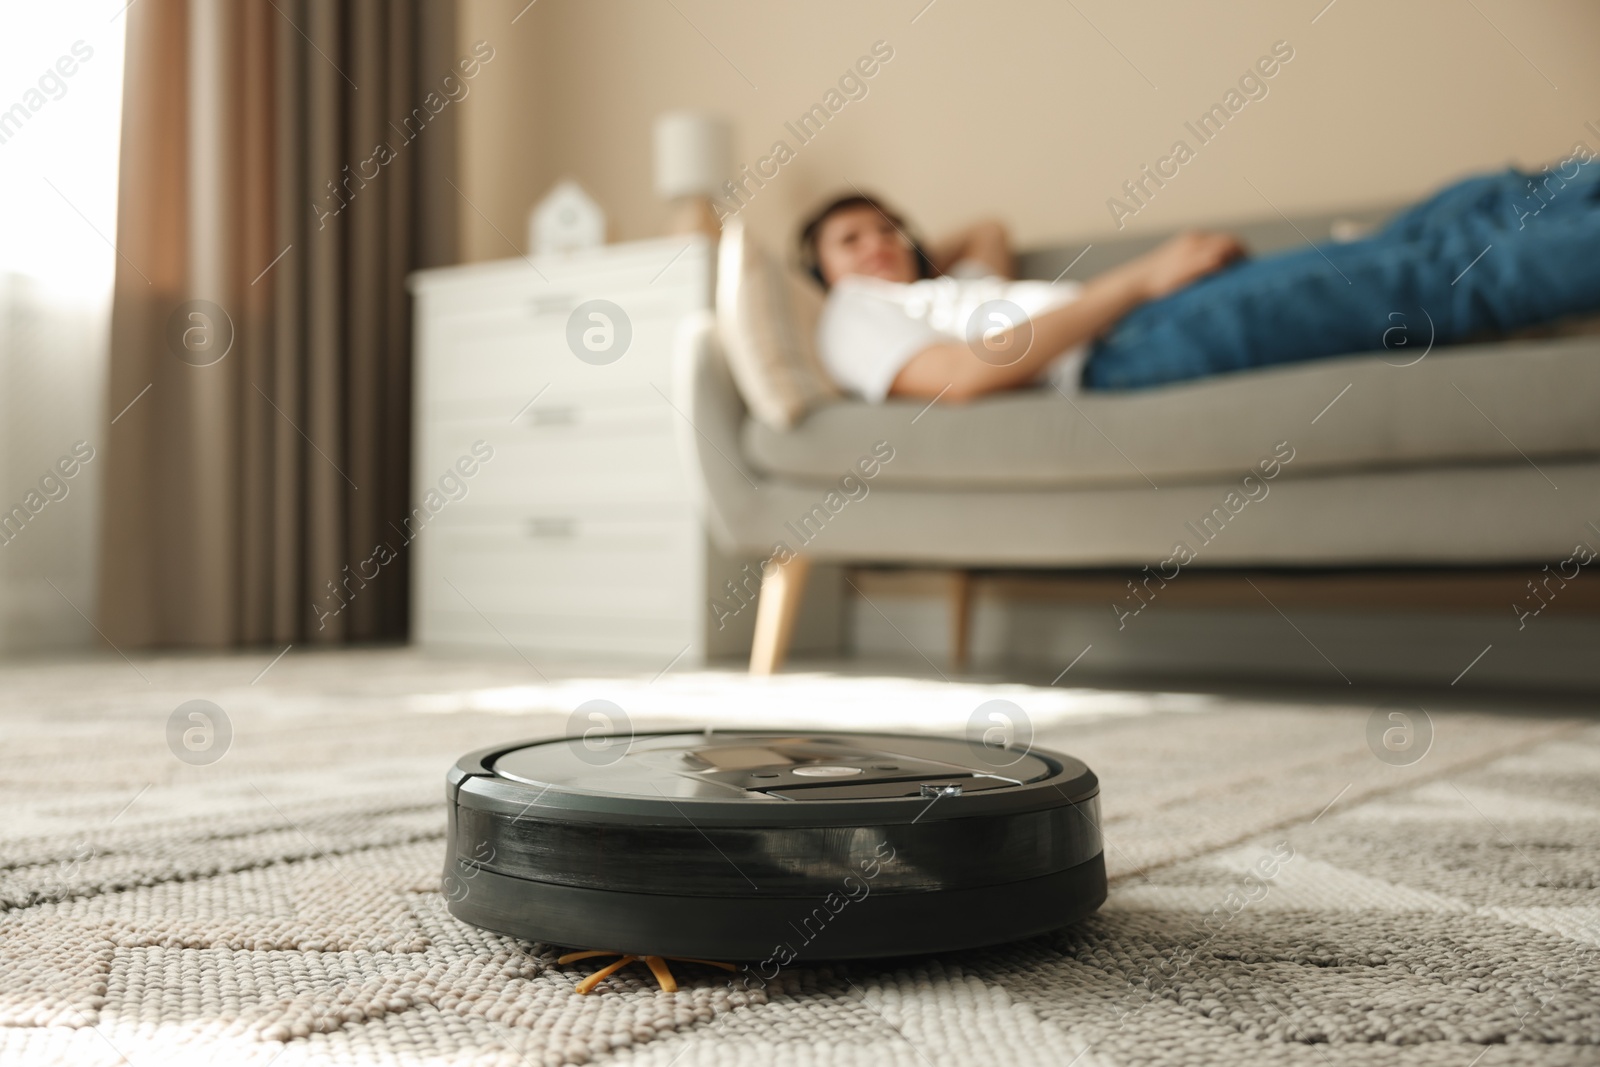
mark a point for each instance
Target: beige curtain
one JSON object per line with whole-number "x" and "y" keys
{"x": 284, "y": 166}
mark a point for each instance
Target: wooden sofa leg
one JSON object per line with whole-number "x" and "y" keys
{"x": 960, "y": 619}
{"x": 776, "y": 610}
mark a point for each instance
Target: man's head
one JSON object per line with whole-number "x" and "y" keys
{"x": 857, "y": 235}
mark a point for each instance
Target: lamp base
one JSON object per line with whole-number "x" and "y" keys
{"x": 694, "y": 214}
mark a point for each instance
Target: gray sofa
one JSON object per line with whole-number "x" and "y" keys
{"x": 1469, "y": 455}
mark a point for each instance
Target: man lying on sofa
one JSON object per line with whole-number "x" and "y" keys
{"x": 1483, "y": 257}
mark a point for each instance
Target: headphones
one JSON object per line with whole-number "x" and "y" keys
{"x": 813, "y": 228}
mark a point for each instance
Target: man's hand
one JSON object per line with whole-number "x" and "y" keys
{"x": 1184, "y": 259}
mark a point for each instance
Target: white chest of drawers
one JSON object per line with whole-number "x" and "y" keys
{"x": 577, "y": 538}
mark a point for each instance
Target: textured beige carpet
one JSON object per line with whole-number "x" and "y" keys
{"x": 1280, "y": 893}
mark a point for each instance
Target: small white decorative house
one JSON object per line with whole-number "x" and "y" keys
{"x": 567, "y": 218}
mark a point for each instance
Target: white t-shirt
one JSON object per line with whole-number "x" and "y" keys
{"x": 870, "y": 328}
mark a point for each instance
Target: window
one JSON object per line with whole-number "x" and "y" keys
{"x": 60, "y": 115}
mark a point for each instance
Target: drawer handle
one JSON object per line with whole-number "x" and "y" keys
{"x": 552, "y": 526}
{"x": 559, "y": 304}
{"x": 564, "y": 415}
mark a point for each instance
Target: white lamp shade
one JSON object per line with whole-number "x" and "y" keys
{"x": 693, "y": 153}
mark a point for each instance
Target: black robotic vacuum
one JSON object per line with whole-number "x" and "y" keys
{"x": 736, "y": 846}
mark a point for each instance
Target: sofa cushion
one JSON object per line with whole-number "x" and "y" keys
{"x": 767, "y": 320}
{"x": 1506, "y": 402}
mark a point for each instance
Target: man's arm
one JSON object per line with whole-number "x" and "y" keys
{"x": 985, "y": 242}
{"x": 952, "y": 369}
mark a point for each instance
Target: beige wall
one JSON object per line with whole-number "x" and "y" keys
{"x": 1023, "y": 109}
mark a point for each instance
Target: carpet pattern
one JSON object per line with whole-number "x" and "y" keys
{"x": 1280, "y": 894}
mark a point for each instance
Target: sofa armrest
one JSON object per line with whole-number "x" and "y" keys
{"x": 710, "y": 412}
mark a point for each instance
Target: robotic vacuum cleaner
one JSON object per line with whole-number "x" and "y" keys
{"x": 731, "y": 846}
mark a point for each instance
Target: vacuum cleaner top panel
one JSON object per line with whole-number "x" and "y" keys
{"x": 770, "y": 778}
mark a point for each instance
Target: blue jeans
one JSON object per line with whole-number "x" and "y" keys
{"x": 1425, "y": 275}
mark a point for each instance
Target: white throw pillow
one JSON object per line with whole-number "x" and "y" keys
{"x": 767, "y": 322}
